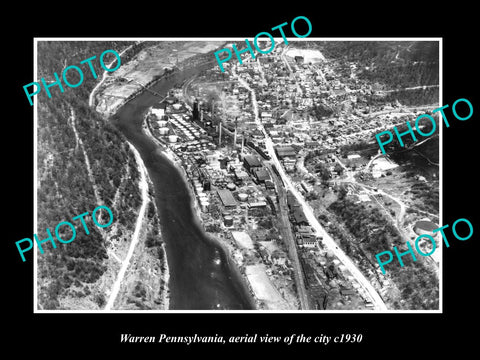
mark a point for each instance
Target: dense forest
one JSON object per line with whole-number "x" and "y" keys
{"x": 64, "y": 188}
{"x": 392, "y": 66}
{"x": 412, "y": 97}
{"x": 397, "y": 64}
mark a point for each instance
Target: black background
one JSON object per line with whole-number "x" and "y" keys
{"x": 60, "y": 335}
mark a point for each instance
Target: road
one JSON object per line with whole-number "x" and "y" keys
{"x": 423, "y": 87}
{"x": 376, "y": 300}
{"x": 285, "y": 228}
{"x": 79, "y": 142}
{"x": 136, "y": 234}
{"x": 91, "y": 98}
{"x": 372, "y": 159}
{"x": 370, "y": 291}
{"x": 287, "y": 236}
{"x": 185, "y": 90}
{"x": 285, "y": 60}
{"x": 351, "y": 179}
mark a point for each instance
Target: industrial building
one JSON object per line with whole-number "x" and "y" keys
{"x": 227, "y": 198}
{"x": 250, "y": 162}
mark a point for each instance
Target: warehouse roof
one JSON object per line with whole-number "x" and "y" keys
{"x": 226, "y": 197}
{"x": 262, "y": 174}
{"x": 285, "y": 151}
{"x": 252, "y": 161}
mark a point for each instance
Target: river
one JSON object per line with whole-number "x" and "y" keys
{"x": 202, "y": 276}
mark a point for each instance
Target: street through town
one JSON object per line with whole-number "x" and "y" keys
{"x": 327, "y": 240}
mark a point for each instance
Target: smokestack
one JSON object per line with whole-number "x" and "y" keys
{"x": 213, "y": 107}
{"x": 201, "y": 115}
{"x": 219, "y": 133}
{"x": 235, "y": 135}
{"x": 243, "y": 142}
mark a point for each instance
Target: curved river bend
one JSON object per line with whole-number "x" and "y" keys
{"x": 197, "y": 281}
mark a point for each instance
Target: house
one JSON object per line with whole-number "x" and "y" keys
{"x": 299, "y": 59}
{"x": 269, "y": 184}
{"x": 309, "y": 241}
{"x": 304, "y": 230}
{"x": 289, "y": 164}
{"x": 266, "y": 115}
{"x": 278, "y": 259}
{"x": 311, "y": 144}
{"x": 347, "y": 292}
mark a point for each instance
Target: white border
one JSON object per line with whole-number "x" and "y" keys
{"x": 220, "y": 312}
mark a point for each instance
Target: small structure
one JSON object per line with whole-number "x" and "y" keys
{"x": 241, "y": 175}
{"x": 309, "y": 241}
{"x": 353, "y": 156}
{"x": 347, "y": 292}
{"x": 224, "y": 162}
{"x": 231, "y": 186}
{"x": 269, "y": 184}
{"x": 311, "y": 144}
{"x": 242, "y": 197}
{"x": 292, "y": 201}
{"x": 228, "y": 221}
{"x": 257, "y": 204}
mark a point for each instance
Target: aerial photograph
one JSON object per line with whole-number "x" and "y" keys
{"x": 252, "y": 185}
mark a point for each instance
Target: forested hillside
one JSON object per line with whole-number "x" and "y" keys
{"x": 417, "y": 284}
{"x": 398, "y": 67}
{"x": 74, "y": 140}
{"x": 397, "y": 64}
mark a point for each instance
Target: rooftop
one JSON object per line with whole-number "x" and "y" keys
{"x": 226, "y": 197}
{"x": 284, "y": 151}
{"x": 252, "y": 161}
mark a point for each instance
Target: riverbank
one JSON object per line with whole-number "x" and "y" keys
{"x": 197, "y": 281}
{"x": 270, "y": 292}
{"x": 150, "y": 66}
{"x": 228, "y": 249}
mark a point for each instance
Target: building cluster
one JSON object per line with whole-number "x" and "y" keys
{"x": 176, "y": 129}
{"x": 281, "y": 85}
{"x": 223, "y": 153}
{"x": 331, "y": 106}
{"x": 233, "y": 189}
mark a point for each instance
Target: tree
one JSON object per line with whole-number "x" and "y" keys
{"x": 342, "y": 193}
{"x": 338, "y": 168}
{"x": 213, "y": 228}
